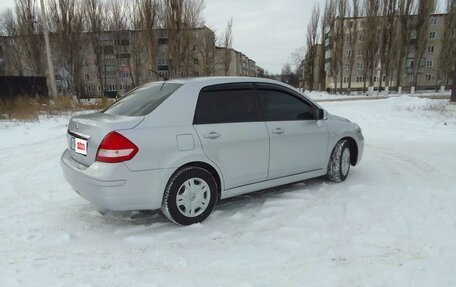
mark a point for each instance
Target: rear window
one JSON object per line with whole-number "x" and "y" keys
{"x": 226, "y": 106}
{"x": 142, "y": 100}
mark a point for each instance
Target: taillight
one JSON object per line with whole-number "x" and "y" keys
{"x": 116, "y": 148}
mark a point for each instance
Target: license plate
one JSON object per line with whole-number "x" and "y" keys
{"x": 79, "y": 146}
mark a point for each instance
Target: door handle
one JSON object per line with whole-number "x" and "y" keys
{"x": 212, "y": 135}
{"x": 278, "y": 131}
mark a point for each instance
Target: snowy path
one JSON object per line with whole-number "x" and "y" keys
{"x": 392, "y": 223}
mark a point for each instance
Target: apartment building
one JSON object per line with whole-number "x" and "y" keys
{"x": 427, "y": 78}
{"x": 239, "y": 64}
{"x": 123, "y": 61}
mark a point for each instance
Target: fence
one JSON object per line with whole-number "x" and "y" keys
{"x": 13, "y": 87}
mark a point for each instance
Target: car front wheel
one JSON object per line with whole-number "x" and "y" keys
{"x": 339, "y": 162}
{"x": 190, "y": 196}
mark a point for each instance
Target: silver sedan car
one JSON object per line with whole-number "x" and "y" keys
{"x": 181, "y": 145}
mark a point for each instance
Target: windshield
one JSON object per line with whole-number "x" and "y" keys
{"x": 142, "y": 100}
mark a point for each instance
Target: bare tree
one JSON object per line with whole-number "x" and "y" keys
{"x": 31, "y": 40}
{"x": 339, "y": 38}
{"x": 403, "y": 35}
{"x": 310, "y": 66}
{"x": 180, "y": 19}
{"x": 425, "y": 9}
{"x": 67, "y": 21}
{"x": 205, "y": 50}
{"x": 371, "y": 44}
{"x": 352, "y": 40}
{"x": 116, "y": 22}
{"x": 387, "y": 50}
{"x": 328, "y": 23}
{"x": 447, "y": 59}
{"x": 149, "y": 12}
{"x": 227, "y": 43}
{"x": 13, "y": 50}
{"x": 95, "y": 21}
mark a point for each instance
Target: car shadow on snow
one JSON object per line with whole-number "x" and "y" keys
{"x": 229, "y": 205}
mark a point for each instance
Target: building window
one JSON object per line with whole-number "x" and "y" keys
{"x": 195, "y": 61}
{"x": 429, "y": 63}
{"x": 413, "y": 35}
{"x": 347, "y": 67}
{"x": 360, "y": 66}
{"x": 361, "y": 38}
{"x": 194, "y": 48}
{"x": 431, "y": 49}
{"x": 428, "y": 77}
{"x": 348, "y": 52}
{"x": 433, "y": 20}
{"x": 375, "y": 78}
{"x": 87, "y": 76}
{"x": 346, "y": 79}
{"x": 348, "y": 39}
{"x": 359, "y": 53}
{"x": 432, "y": 35}
{"x": 360, "y": 79}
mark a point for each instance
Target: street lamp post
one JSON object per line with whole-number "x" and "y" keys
{"x": 48, "y": 51}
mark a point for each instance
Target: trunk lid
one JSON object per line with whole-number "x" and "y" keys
{"x": 91, "y": 129}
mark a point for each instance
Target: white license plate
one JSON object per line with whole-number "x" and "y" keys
{"x": 79, "y": 145}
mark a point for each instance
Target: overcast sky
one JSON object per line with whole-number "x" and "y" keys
{"x": 267, "y": 31}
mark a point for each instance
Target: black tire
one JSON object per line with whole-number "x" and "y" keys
{"x": 175, "y": 188}
{"x": 336, "y": 172}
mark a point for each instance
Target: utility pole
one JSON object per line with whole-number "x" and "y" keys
{"x": 48, "y": 50}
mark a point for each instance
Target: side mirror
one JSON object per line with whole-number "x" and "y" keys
{"x": 322, "y": 114}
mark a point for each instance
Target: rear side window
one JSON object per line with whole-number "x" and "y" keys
{"x": 142, "y": 100}
{"x": 226, "y": 106}
{"x": 281, "y": 106}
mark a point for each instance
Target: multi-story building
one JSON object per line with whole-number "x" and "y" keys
{"x": 239, "y": 64}
{"x": 353, "y": 54}
{"x": 123, "y": 60}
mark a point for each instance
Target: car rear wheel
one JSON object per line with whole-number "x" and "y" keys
{"x": 339, "y": 162}
{"x": 190, "y": 196}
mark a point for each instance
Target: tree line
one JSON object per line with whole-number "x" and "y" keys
{"x": 383, "y": 33}
{"x": 75, "y": 23}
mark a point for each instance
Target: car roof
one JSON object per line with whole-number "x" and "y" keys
{"x": 204, "y": 81}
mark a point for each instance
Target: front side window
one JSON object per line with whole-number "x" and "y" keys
{"x": 281, "y": 106}
{"x": 143, "y": 100}
{"x": 226, "y": 106}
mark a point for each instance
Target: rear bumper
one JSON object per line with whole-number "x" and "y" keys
{"x": 114, "y": 186}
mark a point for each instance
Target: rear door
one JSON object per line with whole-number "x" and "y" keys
{"x": 298, "y": 141}
{"x": 227, "y": 121}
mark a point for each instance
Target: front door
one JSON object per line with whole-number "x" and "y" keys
{"x": 298, "y": 143}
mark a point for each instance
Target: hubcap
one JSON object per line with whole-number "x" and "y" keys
{"x": 345, "y": 162}
{"x": 193, "y": 197}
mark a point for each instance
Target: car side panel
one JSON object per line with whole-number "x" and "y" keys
{"x": 241, "y": 151}
{"x": 300, "y": 147}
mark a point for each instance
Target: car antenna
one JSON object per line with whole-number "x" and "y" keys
{"x": 160, "y": 76}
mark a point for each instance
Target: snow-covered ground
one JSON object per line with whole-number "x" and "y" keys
{"x": 324, "y": 96}
{"x": 391, "y": 223}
